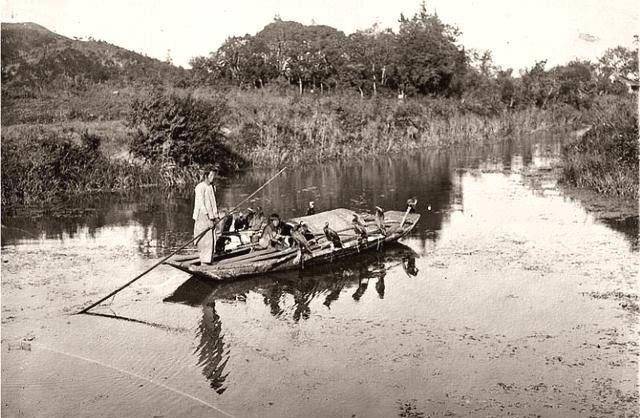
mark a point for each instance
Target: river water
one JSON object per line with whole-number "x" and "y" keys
{"x": 509, "y": 297}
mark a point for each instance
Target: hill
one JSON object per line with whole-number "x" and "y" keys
{"x": 33, "y": 57}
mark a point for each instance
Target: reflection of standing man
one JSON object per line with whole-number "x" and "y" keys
{"x": 205, "y": 213}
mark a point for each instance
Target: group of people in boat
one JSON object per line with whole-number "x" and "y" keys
{"x": 212, "y": 226}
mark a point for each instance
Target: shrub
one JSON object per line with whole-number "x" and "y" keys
{"x": 45, "y": 165}
{"x": 180, "y": 130}
{"x": 606, "y": 157}
{"x": 42, "y": 165}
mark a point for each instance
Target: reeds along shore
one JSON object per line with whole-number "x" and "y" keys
{"x": 605, "y": 158}
{"x": 270, "y": 130}
{"x": 42, "y": 163}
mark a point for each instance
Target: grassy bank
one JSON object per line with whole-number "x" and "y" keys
{"x": 269, "y": 130}
{"x": 45, "y": 162}
{"x": 605, "y": 158}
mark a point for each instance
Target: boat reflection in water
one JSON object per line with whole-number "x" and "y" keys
{"x": 326, "y": 282}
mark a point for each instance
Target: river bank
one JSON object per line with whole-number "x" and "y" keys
{"x": 605, "y": 157}
{"x": 48, "y": 163}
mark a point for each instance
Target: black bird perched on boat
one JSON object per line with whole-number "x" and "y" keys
{"x": 411, "y": 208}
{"x": 312, "y": 209}
{"x": 380, "y": 220}
{"x": 332, "y": 236}
{"x": 304, "y": 228}
{"x": 359, "y": 227}
{"x": 299, "y": 237}
{"x": 411, "y": 204}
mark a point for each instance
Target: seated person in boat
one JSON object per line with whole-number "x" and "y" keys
{"x": 241, "y": 220}
{"x": 257, "y": 218}
{"x": 272, "y": 234}
{"x": 226, "y": 221}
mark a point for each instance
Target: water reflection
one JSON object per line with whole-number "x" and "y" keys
{"x": 287, "y": 296}
{"x": 628, "y": 226}
{"x": 212, "y": 357}
{"x": 158, "y": 221}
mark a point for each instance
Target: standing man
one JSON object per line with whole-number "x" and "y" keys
{"x": 205, "y": 213}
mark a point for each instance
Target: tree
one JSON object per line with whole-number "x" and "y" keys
{"x": 614, "y": 63}
{"x": 368, "y": 57}
{"x": 179, "y": 130}
{"x": 304, "y": 55}
{"x": 576, "y": 83}
{"x": 538, "y": 86}
{"x": 619, "y": 60}
{"x": 427, "y": 59}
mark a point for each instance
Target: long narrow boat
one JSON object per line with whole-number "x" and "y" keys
{"x": 245, "y": 260}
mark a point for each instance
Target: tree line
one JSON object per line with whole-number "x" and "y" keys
{"x": 424, "y": 58}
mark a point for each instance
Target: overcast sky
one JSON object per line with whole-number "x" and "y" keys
{"x": 518, "y": 32}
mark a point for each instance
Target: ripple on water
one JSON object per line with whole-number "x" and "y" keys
{"x": 497, "y": 280}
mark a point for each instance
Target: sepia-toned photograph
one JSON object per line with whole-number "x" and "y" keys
{"x": 330, "y": 208}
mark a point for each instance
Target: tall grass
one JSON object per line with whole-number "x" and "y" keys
{"x": 271, "y": 129}
{"x": 605, "y": 158}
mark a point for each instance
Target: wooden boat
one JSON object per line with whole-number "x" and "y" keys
{"x": 245, "y": 260}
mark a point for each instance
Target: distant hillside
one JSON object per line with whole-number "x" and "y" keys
{"x": 33, "y": 56}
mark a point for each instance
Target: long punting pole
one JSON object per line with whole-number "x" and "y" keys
{"x": 93, "y": 305}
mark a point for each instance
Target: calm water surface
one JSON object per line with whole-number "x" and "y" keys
{"x": 500, "y": 301}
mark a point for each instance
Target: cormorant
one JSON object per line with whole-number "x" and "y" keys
{"x": 332, "y": 236}
{"x": 409, "y": 266}
{"x": 380, "y": 220}
{"x": 298, "y": 237}
{"x": 311, "y": 210}
{"x": 359, "y": 227}
{"x": 411, "y": 204}
{"x": 304, "y": 228}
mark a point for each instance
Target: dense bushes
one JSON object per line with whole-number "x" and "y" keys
{"x": 41, "y": 165}
{"x": 180, "y": 130}
{"x": 605, "y": 158}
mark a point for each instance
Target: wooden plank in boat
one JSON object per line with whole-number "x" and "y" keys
{"x": 257, "y": 256}
{"x": 263, "y": 257}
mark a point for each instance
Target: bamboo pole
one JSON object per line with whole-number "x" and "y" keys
{"x": 139, "y": 276}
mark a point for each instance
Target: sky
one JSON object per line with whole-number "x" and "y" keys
{"x": 518, "y": 33}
